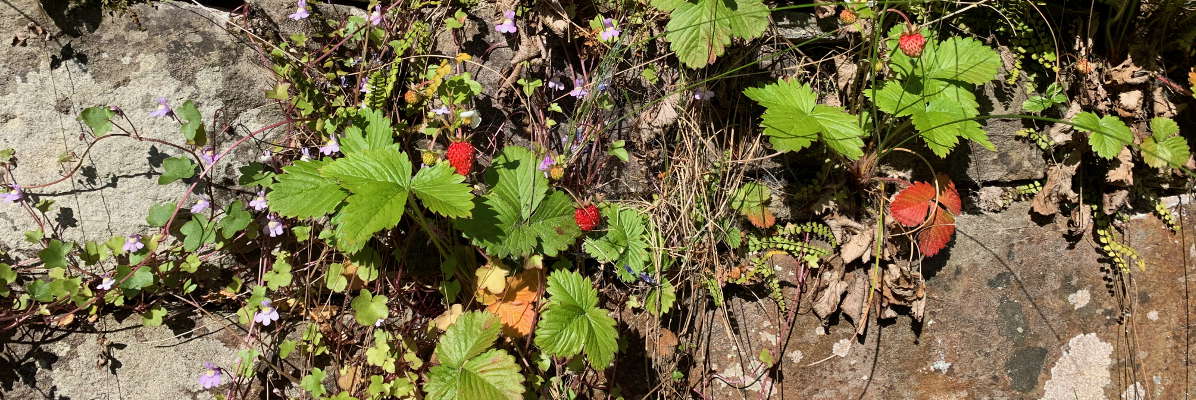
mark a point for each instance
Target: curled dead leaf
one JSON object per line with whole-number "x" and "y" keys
{"x": 827, "y": 301}
{"x": 1127, "y": 73}
{"x": 1123, "y": 173}
{"x": 858, "y": 247}
{"x": 665, "y": 344}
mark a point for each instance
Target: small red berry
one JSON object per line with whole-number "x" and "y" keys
{"x": 911, "y": 43}
{"x": 460, "y": 156}
{"x": 587, "y": 217}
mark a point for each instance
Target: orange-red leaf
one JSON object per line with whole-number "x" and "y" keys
{"x": 910, "y": 205}
{"x": 517, "y": 306}
{"x": 949, "y": 197}
{"x": 934, "y": 238}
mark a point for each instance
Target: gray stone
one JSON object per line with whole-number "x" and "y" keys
{"x": 159, "y": 363}
{"x": 1015, "y": 159}
{"x": 178, "y": 51}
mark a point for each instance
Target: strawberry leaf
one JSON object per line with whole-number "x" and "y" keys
{"x": 1162, "y": 149}
{"x": 572, "y": 323}
{"x": 910, "y": 205}
{"x": 623, "y": 243}
{"x": 1107, "y": 135}
{"x": 467, "y": 369}
{"x": 934, "y": 238}
{"x": 302, "y": 193}
{"x": 379, "y": 180}
{"x": 700, "y": 30}
{"x": 793, "y": 119}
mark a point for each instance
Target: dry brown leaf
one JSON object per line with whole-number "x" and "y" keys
{"x": 349, "y": 378}
{"x": 827, "y": 302}
{"x": 902, "y": 286}
{"x": 448, "y": 317}
{"x": 517, "y": 305}
{"x": 763, "y": 219}
{"x": 858, "y": 247}
{"x": 1061, "y": 133}
{"x": 664, "y": 345}
{"x": 1080, "y": 220}
{"x": 1112, "y": 201}
{"x": 1161, "y": 105}
{"x": 64, "y": 320}
{"x": 1123, "y": 173}
{"x": 1129, "y": 104}
{"x": 1127, "y": 73}
{"x": 1057, "y": 186}
{"x": 322, "y": 313}
{"x": 853, "y": 305}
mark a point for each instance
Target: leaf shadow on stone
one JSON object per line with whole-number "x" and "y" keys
{"x": 66, "y": 218}
{"x": 20, "y": 362}
{"x": 155, "y": 157}
{"x": 75, "y": 18}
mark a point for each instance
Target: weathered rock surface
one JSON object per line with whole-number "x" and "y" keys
{"x": 126, "y": 361}
{"x": 1015, "y": 159}
{"x": 177, "y": 51}
{"x": 1015, "y": 312}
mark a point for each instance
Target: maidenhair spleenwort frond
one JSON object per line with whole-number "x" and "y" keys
{"x": 1107, "y": 238}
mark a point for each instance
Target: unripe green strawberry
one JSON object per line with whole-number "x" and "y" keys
{"x": 587, "y": 217}
{"x": 912, "y": 43}
{"x": 460, "y": 156}
{"x": 428, "y": 157}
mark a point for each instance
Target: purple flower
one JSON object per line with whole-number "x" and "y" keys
{"x": 106, "y": 282}
{"x": 211, "y": 377}
{"x": 273, "y": 226}
{"x": 266, "y": 157}
{"x": 556, "y": 84}
{"x": 259, "y": 203}
{"x": 301, "y": 12}
{"x": 546, "y": 163}
{"x": 15, "y": 195}
{"x": 304, "y": 155}
{"x": 266, "y": 315}
{"x": 163, "y": 108}
{"x": 579, "y": 89}
{"x": 330, "y": 147}
{"x": 365, "y": 85}
{"x": 376, "y": 16}
{"x": 610, "y": 33}
{"x": 208, "y": 155}
{"x": 508, "y": 23}
{"x": 443, "y": 110}
{"x": 703, "y": 94}
{"x": 200, "y": 205}
{"x": 133, "y": 243}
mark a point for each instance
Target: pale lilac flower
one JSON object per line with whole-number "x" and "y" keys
{"x": 376, "y": 16}
{"x": 211, "y": 377}
{"x": 555, "y": 84}
{"x": 301, "y": 12}
{"x": 163, "y": 108}
{"x": 579, "y": 89}
{"x": 259, "y": 203}
{"x": 703, "y": 94}
{"x": 378, "y": 322}
{"x": 133, "y": 243}
{"x": 267, "y": 314}
{"x": 508, "y": 23}
{"x": 304, "y": 155}
{"x": 208, "y": 155}
{"x": 330, "y": 147}
{"x": 546, "y": 163}
{"x": 15, "y": 195}
{"x": 106, "y": 282}
{"x": 200, "y": 205}
{"x": 266, "y": 157}
{"x": 273, "y": 226}
{"x": 442, "y": 111}
{"x": 365, "y": 85}
{"x": 610, "y": 33}
{"x": 602, "y": 86}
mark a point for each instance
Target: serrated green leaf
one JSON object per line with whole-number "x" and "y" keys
{"x": 623, "y": 243}
{"x": 520, "y": 216}
{"x": 371, "y": 131}
{"x": 192, "y": 127}
{"x": 1107, "y": 135}
{"x": 467, "y": 369}
{"x": 368, "y": 308}
{"x": 1162, "y": 149}
{"x": 572, "y": 322}
{"x": 443, "y": 191}
{"x": 700, "y": 30}
{"x": 661, "y": 298}
{"x": 793, "y": 119}
{"x": 98, "y": 118}
{"x": 176, "y": 168}
{"x": 301, "y": 192}
{"x": 379, "y": 180}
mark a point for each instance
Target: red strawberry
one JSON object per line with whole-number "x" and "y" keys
{"x": 460, "y": 156}
{"x": 587, "y": 217}
{"x": 911, "y": 43}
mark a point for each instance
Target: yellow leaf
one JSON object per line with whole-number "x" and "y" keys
{"x": 492, "y": 277}
{"x": 448, "y": 318}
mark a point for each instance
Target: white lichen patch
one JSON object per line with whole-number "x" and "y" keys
{"x": 1082, "y": 372}
{"x": 842, "y": 347}
{"x": 795, "y": 356}
{"x": 1153, "y": 315}
{"x": 1079, "y": 299}
{"x": 940, "y": 366}
{"x": 1136, "y": 392}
